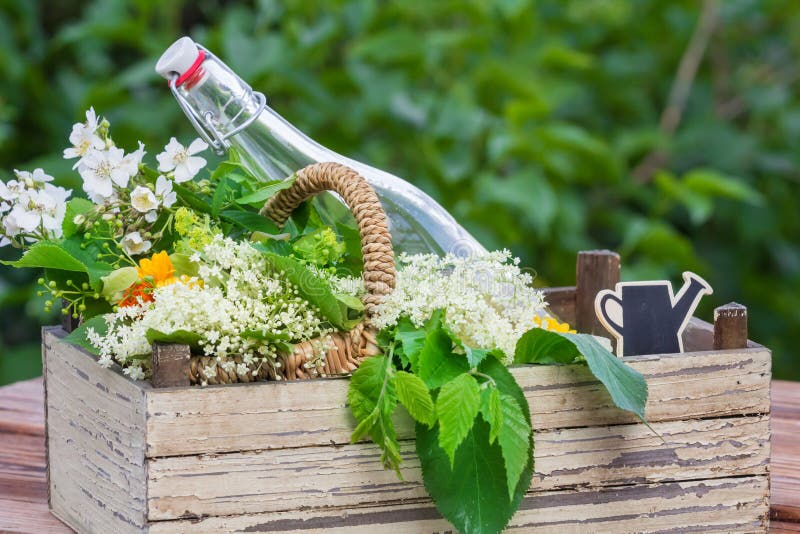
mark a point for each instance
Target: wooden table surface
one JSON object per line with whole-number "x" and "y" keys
{"x": 23, "y": 491}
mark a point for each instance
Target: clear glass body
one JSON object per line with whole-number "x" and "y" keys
{"x": 272, "y": 149}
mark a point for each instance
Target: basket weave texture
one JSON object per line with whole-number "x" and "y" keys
{"x": 345, "y": 350}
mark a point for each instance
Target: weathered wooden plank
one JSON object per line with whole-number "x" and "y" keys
{"x": 350, "y": 475}
{"x": 786, "y": 451}
{"x": 95, "y": 424}
{"x": 720, "y": 505}
{"x": 21, "y": 409}
{"x": 295, "y": 414}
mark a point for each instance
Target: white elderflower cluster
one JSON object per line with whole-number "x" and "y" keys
{"x": 32, "y": 208}
{"x": 488, "y": 301}
{"x": 239, "y": 309}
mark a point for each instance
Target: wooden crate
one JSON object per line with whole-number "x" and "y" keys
{"x": 275, "y": 457}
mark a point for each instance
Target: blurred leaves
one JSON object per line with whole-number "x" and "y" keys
{"x": 524, "y": 118}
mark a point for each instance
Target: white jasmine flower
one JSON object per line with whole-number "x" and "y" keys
{"x": 101, "y": 169}
{"x": 84, "y": 138}
{"x": 134, "y": 245}
{"x": 130, "y": 163}
{"x": 182, "y": 160}
{"x": 12, "y": 190}
{"x": 143, "y": 200}
{"x": 11, "y": 224}
{"x": 164, "y": 191}
{"x": 39, "y": 210}
{"x": 30, "y": 179}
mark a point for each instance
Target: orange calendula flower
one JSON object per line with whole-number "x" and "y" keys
{"x": 138, "y": 292}
{"x": 554, "y": 326}
{"x": 159, "y": 267}
{"x": 157, "y": 271}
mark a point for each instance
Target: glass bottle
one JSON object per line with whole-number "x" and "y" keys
{"x": 227, "y": 113}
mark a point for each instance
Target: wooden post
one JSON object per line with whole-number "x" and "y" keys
{"x": 730, "y": 327}
{"x": 170, "y": 365}
{"x": 596, "y": 270}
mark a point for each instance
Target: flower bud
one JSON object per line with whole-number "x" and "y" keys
{"x": 79, "y": 219}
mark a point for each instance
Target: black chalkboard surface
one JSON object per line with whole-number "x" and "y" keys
{"x": 645, "y": 317}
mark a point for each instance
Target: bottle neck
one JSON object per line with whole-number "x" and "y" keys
{"x": 230, "y": 112}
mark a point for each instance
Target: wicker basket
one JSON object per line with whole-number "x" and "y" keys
{"x": 346, "y": 349}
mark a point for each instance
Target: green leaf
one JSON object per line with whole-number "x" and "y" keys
{"x": 373, "y": 399}
{"x": 115, "y": 282}
{"x": 713, "y": 183}
{"x": 75, "y": 206}
{"x": 437, "y": 364}
{"x": 184, "y": 265}
{"x": 180, "y": 337}
{"x": 64, "y": 256}
{"x": 49, "y": 255}
{"x": 191, "y": 199}
{"x": 541, "y": 346}
{"x": 514, "y": 438}
{"x": 412, "y": 340}
{"x": 252, "y": 222}
{"x": 320, "y": 247}
{"x": 473, "y": 495}
{"x": 456, "y": 407}
{"x": 492, "y": 411}
{"x": 266, "y": 192}
{"x": 627, "y": 386}
{"x": 414, "y": 395}
{"x": 476, "y": 356}
{"x": 222, "y": 193}
{"x": 341, "y": 313}
{"x": 79, "y": 335}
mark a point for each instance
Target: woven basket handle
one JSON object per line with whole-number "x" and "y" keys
{"x": 376, "y": 241}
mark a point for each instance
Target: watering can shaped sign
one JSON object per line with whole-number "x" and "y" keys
{"x": 645, "y": 317}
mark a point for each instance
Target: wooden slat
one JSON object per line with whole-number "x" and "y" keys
{"x": 307, "y": 413}
{"x": 786, "y": 451}
{"x": 23, "y": 488}
{"x": 721, "y": 505}
{"x": 351, "y": 475}
{"x": 22, "y": 409}
{"x": 786, "y": 408}
{"x": 96, "y": 442}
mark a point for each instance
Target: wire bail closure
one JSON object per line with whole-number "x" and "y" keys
{"x": 205, "y": 124}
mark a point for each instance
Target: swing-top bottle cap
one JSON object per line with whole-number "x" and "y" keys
{"x": 180, "y": 60}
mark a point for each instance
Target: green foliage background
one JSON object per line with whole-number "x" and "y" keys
{"x": 526, "y": 119}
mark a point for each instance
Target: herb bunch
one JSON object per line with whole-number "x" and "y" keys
{"x": 473, "y": 430}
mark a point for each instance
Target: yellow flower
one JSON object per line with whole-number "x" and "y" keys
{"x": 159, "y": 267}
{"x": 554, "y": 326}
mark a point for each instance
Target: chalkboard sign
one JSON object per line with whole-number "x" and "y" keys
{"x": 645, "y": 317}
